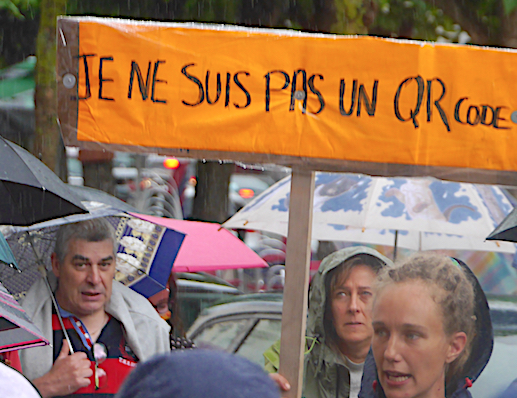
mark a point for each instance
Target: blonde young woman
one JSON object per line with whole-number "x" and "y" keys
{"x": 432, "y": 331}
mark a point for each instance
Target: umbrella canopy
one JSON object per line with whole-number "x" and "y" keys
{"x": 6, "y": 255}
{"x": 507, "y": 229}
{"x": 16, "y": 329}
{"x": 29, "y": 191}
{"x": 208, "y": 247}
{"x": 416, "y": 213}
{"x": 145, "y": 255}
{"x": 91, "y": 195}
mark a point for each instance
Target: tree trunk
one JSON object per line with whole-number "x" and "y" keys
{"x": 97, "y": 167}
{"x": 48, "y": 145}
{"x": 509, "y": 30}
{"x": 211, "y": 200}
{"x": 98, "y": 175}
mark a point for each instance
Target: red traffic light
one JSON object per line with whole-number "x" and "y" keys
{"x": 171, "y": 163}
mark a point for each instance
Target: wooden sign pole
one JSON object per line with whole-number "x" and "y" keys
{"x": 298, "y": 254}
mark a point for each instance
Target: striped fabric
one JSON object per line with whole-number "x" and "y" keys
{"x": 119, "y": 362}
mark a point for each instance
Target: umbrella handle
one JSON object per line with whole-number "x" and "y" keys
{"x": 67, "y": 337}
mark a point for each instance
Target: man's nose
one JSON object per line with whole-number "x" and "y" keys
{"x": 94, "y": 276}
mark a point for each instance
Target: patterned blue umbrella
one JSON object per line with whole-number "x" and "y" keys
{"x": 416, "y": 213}
{"x": 145, "y": 256}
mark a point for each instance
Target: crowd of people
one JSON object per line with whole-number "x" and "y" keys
{"x": 419, "y": 328}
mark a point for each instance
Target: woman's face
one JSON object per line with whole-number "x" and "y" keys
{"x": 351, "y": 304}
{"x": 409, "y": 344}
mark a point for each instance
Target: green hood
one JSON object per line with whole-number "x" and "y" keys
{"x": 315, "y": 329}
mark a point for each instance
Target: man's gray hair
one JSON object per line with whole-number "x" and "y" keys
{"x": 94, "y": 230}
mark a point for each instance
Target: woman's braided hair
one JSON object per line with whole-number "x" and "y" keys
{"x": 450, "y": 288}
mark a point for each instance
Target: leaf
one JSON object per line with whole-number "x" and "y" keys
{"x": 509, "y": 6}
{"x": 12, "y": 7}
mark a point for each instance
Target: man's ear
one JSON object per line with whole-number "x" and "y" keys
{"x": 55, "y": 264}
{"x": 456, "y": 347}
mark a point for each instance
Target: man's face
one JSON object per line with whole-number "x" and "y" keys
{"x": 85, "y": 276}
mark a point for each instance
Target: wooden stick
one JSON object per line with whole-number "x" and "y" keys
{"x": 298, "y": 254}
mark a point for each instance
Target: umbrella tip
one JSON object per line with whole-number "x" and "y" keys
{"x": 13, "y": 265}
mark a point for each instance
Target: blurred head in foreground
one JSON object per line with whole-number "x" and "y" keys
{"x": 198, "y": 374}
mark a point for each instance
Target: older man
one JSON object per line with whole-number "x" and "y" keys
{"x": 110, "y": 326}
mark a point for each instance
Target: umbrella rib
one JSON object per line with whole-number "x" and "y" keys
{"x": 43, "y": 271}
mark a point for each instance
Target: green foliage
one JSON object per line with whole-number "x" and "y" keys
{"x": 509, "y": 6}
{"x": 414, "y": 19}
{"x": 488, "y": 12}
{"x": 135, "y": 9}
{"x": 212, "y": 10}
{"x": 349, "y": 15}
{"x": 17, "y": 7}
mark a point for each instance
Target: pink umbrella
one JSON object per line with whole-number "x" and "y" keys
{"x": 208, "y": 247}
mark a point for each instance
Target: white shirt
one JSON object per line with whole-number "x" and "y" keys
{"x": 356, "y": 374}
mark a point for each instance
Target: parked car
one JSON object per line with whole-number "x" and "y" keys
{"x": 502, "y": 367}
{"x": 249, "y": 324}
{"x": 197, "y": 291}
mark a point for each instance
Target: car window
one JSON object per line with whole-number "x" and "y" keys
{"x": 263, "y": 335}
{"x": 221, "y": 334}
{"x": 500, "y": 370}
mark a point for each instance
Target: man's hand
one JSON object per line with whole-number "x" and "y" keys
{"x": 68, "y": 374}
{"x": 280, "y": 381}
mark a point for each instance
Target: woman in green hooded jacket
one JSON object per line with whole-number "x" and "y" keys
{"x": 339, "y": 329}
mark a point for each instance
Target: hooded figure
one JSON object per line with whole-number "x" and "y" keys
{"x": 328, "y": 371}
{"x": 480, "y": 352}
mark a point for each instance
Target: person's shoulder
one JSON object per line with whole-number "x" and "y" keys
{"x": 126, "y": 292}
{"x": 36, "y": 296}
{"x": 135, "y": 303}
{"x": 133, "y": 299}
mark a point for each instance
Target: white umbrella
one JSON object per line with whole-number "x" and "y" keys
{"x": 412, "y": 213}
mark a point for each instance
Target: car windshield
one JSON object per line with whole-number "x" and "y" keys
{"x": 222, "y": 334}
{"x": 260, "y": 339}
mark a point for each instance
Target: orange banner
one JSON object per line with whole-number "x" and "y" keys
{"x": 193, "y": 87}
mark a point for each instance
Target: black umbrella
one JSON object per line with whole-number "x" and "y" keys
{"x": 29, "y": 191}
{"x": 95, "y": 195}
{"x": 507, "y": 230}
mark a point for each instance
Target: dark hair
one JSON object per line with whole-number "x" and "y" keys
{"x": 94, "y": 230}
{"x": 175, "y": 320}
{"x": 335, "y": 278}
